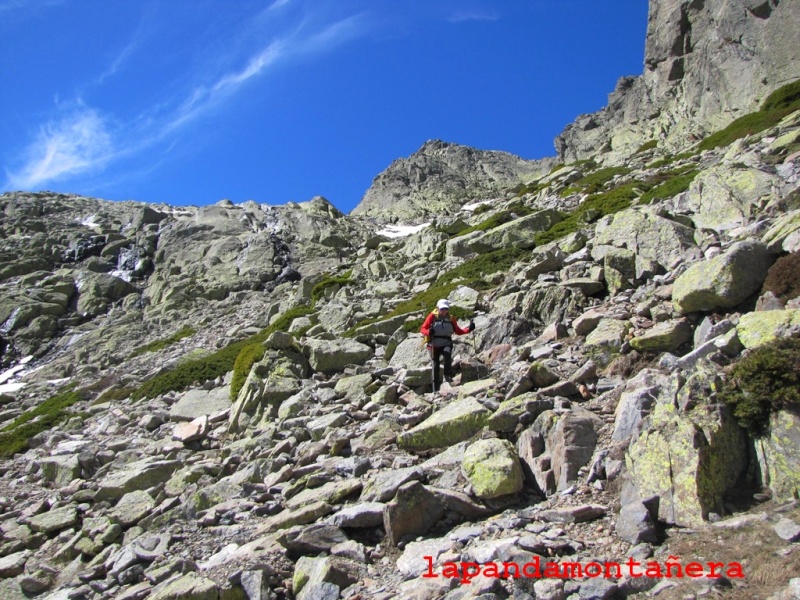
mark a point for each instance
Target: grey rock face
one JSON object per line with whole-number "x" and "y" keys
{"x": 557, "y": 446}
{"x": 439, "y": 178}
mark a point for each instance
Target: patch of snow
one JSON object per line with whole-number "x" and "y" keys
{"x": 474, "y": 205}
{"x": 58, "y": 381}
{"x": 10, "y": 388}
{"x": 395, "y": 231}
{"x": 90, "y": 221}
{"x": 121, "y": 274}
{"x": 12, "y": 372}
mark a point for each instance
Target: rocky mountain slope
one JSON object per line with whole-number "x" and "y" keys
{"x": 234, "y": 401}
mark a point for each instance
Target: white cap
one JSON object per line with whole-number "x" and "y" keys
{"x": 443, "y": 304}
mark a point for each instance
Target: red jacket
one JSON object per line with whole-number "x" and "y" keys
{"x": 429, "y": 321}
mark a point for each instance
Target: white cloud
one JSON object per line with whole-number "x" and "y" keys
{"x": 203, "y": 98}
{"x": 78, "y": 143}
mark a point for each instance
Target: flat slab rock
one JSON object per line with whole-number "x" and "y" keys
{"x": 576, "y": 514}
{"x": 197, "y": 403}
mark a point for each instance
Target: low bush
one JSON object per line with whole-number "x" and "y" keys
{"x": 675, "y": 183}
{"x": 766, "y": 379}
{"x": 318, "y": 290}
{"x": 115, "y": 394}
{"x": 783, "y": 278}
{"x": 647, "y": 146}
{"x": 668, "y": 160}
{"x": 594, "y": 207}
{"x": 14, "y": 436}
{"x": 215, "y": 364}
{"x": 594, "y": 182}
{"x": 512, "y": 212}
{"x": 778, "y": 104}
{"x": 185, "y": 332}
{"x": 248, "y": 356}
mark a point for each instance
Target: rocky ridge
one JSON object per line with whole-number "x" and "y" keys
{"x": 440, "y": 178}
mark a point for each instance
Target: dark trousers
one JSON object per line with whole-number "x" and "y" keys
{"x": 445, "y": 353}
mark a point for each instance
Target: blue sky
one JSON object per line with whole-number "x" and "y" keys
{"x": 193, "y": 101}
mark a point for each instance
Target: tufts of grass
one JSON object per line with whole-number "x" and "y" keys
{"x": 594, "y": 207}
{"x": 669, "y": 185}
{"x": 647, "y": 146}
{"x": 115, "y": 394}
{"x": 185, "y": 332}
{"x": 534, "y": 187}
{"x": 513, "y": 211}
{"x": 778, "y": 104}
{"x": 14, "y": 436}
{"x": 668, "y": 160}
{"x": 318, "y": 290}
{"x": 594, "y": 182}
{"x": 215, "y": 364}
{"x": 247, "y": 357}
{"x": 469, "y": 273}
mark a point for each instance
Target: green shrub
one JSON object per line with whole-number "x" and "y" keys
{"x": 647, "y": 146}
{"x": 668, "y": 160}
{"x": 476, "y": 268}
{"x": 595, "y": 181}
{"x": 248, "y": 356}
{"x": 783, "y": 278}
{"x": 786, "y": 97}
{"x": 483, "y": 208}
{"x": 674, "y": 185}
{"x": 115, "y": 394}
{"x": 470, "y": 273}
{"x": 215, "y": 364}
{"x": 764, "y": 380}
{"x": 778, "y": 104}
{"x": 594, "y": 207}
{"x": 534, "y": 187}
{"x": 586, "y": 162}
{"x": 512, "y": 212}
{"x": 14, "y": 436}
{"x": 185, "y": 332}
{"x": 318, "y": 290}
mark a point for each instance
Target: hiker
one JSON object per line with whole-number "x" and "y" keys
{"x": 438, "y": 330}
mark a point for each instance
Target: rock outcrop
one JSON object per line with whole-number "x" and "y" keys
{"x": 706, "y": 64}
{"x": 440, "y": 178}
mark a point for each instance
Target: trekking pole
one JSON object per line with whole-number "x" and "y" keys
{"x": 472, "y": 333}
{"x": 433, "y": 375}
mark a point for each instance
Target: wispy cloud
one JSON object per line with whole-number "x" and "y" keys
{"x": 119, "y": 60}
{"x": 77, "y": 143}
{"x": 206, "y": 97}
{"x": 80, "y": 141}
{"x": 278, "y": 4}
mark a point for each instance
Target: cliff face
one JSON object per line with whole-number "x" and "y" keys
{"x": 707, "y": 62}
